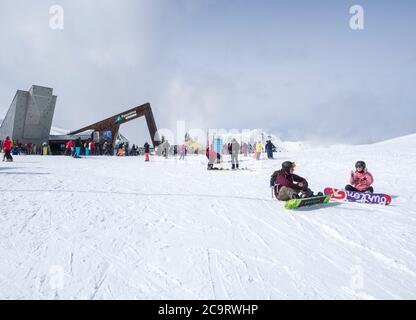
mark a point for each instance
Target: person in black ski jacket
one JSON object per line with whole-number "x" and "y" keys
{"x": 269, "y": 149}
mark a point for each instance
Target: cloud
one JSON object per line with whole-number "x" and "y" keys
{"x": 214, "y": 64}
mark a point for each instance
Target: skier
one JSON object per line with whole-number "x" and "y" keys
{"x": 235, "y": 150}
{"x": 360, "y": 180}
{"x": 7, "y": 147}
{"x": 146, "y": 152}
{"x": 269, "y": 149}
{"x": 287, "y": 186}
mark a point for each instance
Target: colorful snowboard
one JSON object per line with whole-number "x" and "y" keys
{"x": 369, "y": 198}
{"x": 307, "y": 202}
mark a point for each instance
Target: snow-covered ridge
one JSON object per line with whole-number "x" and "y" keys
{"x": 58, "y": 131}
{"x": 408, "y": 141}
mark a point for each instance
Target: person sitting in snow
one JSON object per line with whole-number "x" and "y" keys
{"x": 213, "y": 157}
{"x": 360, "y": 180}
{"x": 287, "y": 185}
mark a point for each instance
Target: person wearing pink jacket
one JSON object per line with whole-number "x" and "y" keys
{"x": 360, "y": 180}
{"x": 182, "y": 152}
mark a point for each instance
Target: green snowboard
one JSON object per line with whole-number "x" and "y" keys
{"x": 307, "y": 202}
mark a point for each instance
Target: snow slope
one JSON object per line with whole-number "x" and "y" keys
{"x": 106, "y": 227}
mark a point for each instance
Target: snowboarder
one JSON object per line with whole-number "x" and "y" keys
{"x": 287, "y": 186}
{"x": 213, "y": 157}
{"x": 269, "y": 149}
{"x": 360, "y": 180}
{"x": 235, "y": 150}
{"x": 146, "y": 152}
{"x": 7, "y": 147}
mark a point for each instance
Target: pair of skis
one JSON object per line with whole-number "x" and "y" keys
{"x": 341, "y": 195}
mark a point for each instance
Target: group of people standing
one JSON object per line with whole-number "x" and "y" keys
{"x": 18, "y": 148}
{"x": 10, "y": 147}
{"x": 78, "y": 147}
{"x": 234, "y": 149}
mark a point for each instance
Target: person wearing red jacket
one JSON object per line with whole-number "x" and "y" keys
{"x": 7, "y": 147}
{"x": 68, "y": 148}
{"x": 213, "y": 157}
{"x": 287, "y": 185}
{"x": 92, "y": 147}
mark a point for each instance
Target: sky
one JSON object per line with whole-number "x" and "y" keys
{"x": 292, "y": 68}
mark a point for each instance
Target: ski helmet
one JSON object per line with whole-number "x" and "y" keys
{"x": 360, "y": 164}
{"x": 287, "y": 165}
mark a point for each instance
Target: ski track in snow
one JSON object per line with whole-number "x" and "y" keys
{"x": 119, "y": 228}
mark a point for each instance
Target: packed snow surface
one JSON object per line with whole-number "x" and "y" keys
{"x": 117, "y": 227}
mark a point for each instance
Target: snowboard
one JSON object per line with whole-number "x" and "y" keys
{"x": 307, "y": 202}
{"x": 368, "y": 198}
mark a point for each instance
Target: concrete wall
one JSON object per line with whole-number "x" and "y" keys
{"x": 6, "y": 128}
{"x": 30, "y": 115}
{"x": 19, "y": 113}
